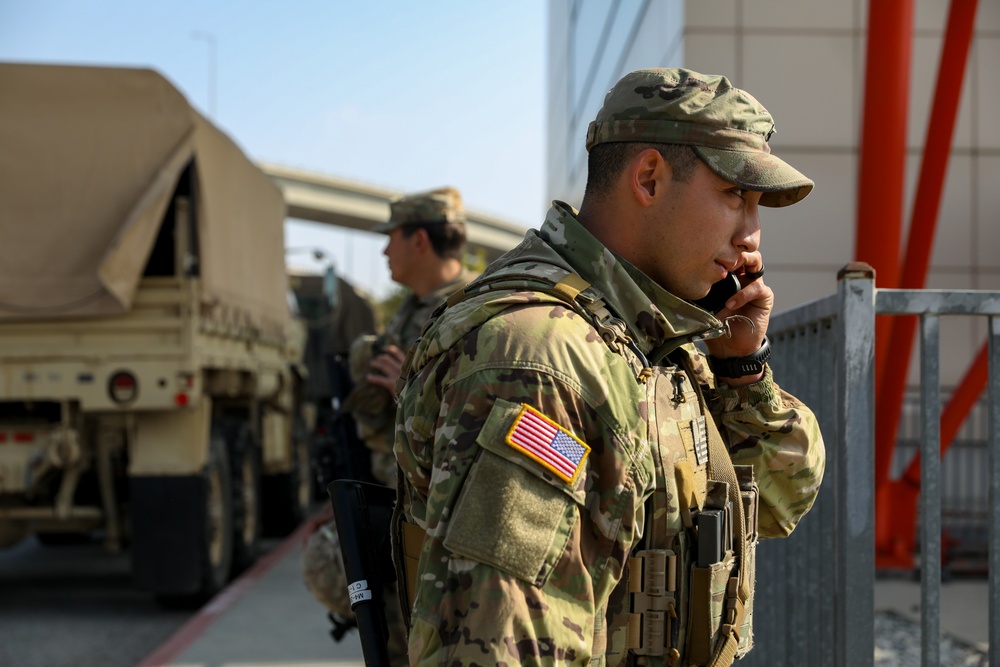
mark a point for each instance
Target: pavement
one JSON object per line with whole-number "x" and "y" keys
{"x": 267, "y": 618}
{"x": 965, "y": 606}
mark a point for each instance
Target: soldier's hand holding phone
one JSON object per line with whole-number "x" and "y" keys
{"x": 385, "y": 368}
{"x": 752, "y": 301}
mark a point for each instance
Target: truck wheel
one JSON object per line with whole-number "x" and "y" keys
{"x": 246, "y": 465}
{"x": 288, "y": 496}
{"x": 212, "y": 547}
{"x": 218, "y": 552}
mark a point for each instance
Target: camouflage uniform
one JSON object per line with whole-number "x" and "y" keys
{"x": 374, "y": 409}
{"x": 525, "y": 551}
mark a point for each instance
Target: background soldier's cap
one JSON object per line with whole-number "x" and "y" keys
{"x": 443, "y": 205}
{"x": 725, "y": 126}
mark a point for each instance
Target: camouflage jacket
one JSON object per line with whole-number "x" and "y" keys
{"x": 404, "y": 327}
{"x": 521, "y": 559}
{"x": 372, "y": 407}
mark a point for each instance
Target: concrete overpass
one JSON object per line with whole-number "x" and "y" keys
{"x": 335, "y": 201}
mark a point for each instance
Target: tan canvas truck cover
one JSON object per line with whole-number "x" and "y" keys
{"x": 89, "y": 158}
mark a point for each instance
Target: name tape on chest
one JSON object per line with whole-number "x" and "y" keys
{"x": 547, "y": 443}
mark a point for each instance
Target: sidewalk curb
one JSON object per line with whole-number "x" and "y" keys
{"x": 223, "y": 601}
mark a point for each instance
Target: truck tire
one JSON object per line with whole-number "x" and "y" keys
{"x": 245, "y": 462}
{"x": 288, "y": 496}
{"x": 218, "y": 553}
{"x": 183, "y": 532}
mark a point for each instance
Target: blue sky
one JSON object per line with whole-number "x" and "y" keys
{"x": 404, "y": 95}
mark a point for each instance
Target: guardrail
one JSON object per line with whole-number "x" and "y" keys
{"x": 814, "y": 599}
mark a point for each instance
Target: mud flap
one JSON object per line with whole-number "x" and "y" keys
{"x": 168, "y": 529}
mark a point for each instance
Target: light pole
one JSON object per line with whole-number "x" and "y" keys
{"x": 210, "y": 38}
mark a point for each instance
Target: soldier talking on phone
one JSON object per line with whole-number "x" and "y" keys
{"x": 580, "y": 482}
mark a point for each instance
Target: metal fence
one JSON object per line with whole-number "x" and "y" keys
{"x": 814, "y": 600}
{"x": 965, "y": 486}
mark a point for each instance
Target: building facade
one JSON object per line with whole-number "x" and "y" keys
{"x": 805, "y": 61}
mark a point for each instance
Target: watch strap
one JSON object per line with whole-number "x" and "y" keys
{"x": 737, "y": 367}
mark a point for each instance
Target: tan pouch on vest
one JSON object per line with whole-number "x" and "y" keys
{"x": 413, "y": 543}
{"x": 708, "y": 599}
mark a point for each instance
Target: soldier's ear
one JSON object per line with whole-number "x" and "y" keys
{"x": 648, "y": 173}
{"x": 421, "y": 240}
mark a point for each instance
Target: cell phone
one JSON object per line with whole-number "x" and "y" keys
{"x": 724, "y": 290}
{"x": 720, "y": 293}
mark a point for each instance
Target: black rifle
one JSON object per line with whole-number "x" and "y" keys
{"x": 340, "y": 453}
{"x": 363, "y": 513}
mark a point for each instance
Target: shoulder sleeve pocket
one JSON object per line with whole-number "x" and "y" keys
{"x": 511, "y": 513}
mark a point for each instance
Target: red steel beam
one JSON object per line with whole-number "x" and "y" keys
{"x": 883, "y": 163}
{"x": 920, "y": 243}
{"x": 934, "y": 165}
{"x": 883, "y": 137}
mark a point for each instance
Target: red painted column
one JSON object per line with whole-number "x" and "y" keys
{"x": 882, "y": 168}
{"x": 882, "y": 164}
{"x": 916, "y": 263}
{"x": 883, "y": 137}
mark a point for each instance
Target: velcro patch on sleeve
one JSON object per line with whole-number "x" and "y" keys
{"x": 547, "y": 443}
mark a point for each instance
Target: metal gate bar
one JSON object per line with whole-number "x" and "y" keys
{"x": 993, "y": 385}
{"x": 930, "y": 305}
{"x": 930, "y": 491}
{"x": 814, "y": 599}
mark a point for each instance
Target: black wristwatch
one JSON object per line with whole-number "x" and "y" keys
{"x": 737, "y": 367}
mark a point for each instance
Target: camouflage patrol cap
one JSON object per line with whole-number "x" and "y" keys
{"x": 443, "y": 205}
{"x": 725, "y": 126}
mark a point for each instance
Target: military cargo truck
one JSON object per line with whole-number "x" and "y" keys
{"x": 150, "y": 368}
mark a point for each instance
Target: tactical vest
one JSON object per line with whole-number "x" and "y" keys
{"x": 686, "y": 594}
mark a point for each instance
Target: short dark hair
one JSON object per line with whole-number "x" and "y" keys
{"x": 447, "y": 238}
{"x": 606, "y": 162}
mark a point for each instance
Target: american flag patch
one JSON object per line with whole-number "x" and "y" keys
{"x": 548, "y": 443}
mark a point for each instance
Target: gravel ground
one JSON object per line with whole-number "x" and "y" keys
{"x": 897, "y": 644}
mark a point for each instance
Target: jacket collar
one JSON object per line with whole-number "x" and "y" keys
{"x": 656, "y": 318}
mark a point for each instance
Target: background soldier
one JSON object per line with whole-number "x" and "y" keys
{"x": 336, "y": 315}
{"x": 564, "y": 445}
{"x": 426, "y": 245}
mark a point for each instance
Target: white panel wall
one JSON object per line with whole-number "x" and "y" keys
{"x": 987, "y": 221}
{"x": 986, "y": 69}
{"x": 812, "y": 96}
{"x": 776, "y": 15}
{"x": 711, "y": 14}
